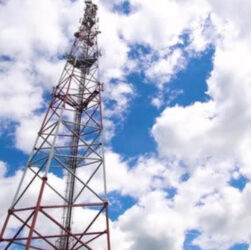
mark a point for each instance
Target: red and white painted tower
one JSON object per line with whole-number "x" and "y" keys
{"x": 48, "y": 212}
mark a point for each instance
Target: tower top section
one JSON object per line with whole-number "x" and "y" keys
{"x": 90, "y": 14}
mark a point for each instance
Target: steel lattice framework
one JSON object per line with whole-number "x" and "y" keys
{"x": 69, "y": 145}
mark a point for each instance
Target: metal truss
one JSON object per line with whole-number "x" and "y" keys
{"x": 65, "y": 177}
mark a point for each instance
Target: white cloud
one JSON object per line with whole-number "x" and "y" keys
{"x": 148, "y": 174}
{"x": 205, "y": 202}
{"x": 180, "y": 127}
{"x": 219, "y": 127}
{"x": 28, "y": 29}
{"x": 162, "y": 70}
{"x": 221, "y": 215}
{"x": 49, "y": 72}
{"x": 161, "y": 23}
{"x": 19, "y": 93}
{"x": 114, "y": 49}
{"x": 120, "y": 93}
{"x": 157, "y": 101}
{"x": 215, "y": 133}
{"x": 26, "y": 133}
{"x": 152, "y": 224}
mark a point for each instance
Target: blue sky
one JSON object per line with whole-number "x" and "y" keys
{"x": 177, "y": 122}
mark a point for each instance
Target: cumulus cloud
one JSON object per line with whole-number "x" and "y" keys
{"x": 153, "y": 224}
{"x": 217, "y": 128}
{"x": 216, "y": 131}
{"x": 162, "y": 70}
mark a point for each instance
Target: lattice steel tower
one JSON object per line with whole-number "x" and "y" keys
{"x": 69, "y": 146}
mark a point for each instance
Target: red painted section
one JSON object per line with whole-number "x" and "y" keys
{"x": 37, "y": 208}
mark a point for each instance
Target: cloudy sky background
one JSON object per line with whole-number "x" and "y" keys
{"x": 177, "y": 78}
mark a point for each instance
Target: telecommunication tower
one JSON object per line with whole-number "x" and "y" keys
{"x": 45, "y": 213}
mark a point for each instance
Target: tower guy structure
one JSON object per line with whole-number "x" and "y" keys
{"x": 61, "y": 200}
